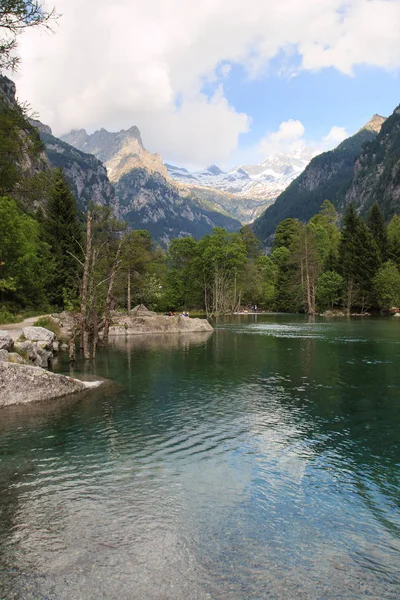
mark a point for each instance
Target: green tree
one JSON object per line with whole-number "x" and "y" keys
{"x": 63, "y": 233}
{"x": 25, "y": 260}
{"x": 329, "y": 290}
{"x": 184, "y": 288}
{"x": 393, "y": 233}
{"x": 287, "y": 233}
{"x": 359, "y": 259}
{"x": 387, "y": 285}
{"x": 219, "y": 262}
{"x": 377, "y": 227}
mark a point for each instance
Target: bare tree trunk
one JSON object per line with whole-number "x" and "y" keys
{"x": 310, "y": 305}
{"x": 95, "y": 327}
{"x": 71, "y": 348}
{"x": 129, "y": 292}
{"x": 109, "y": 294}
{"x": 84, "y": 337}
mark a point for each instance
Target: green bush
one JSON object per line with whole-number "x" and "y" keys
{"x": 7, "y": 317}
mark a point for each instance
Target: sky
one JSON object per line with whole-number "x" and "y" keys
{"x": 223, "y": 82}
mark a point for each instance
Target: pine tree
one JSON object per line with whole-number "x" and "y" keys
{"x": 377, "y": 227}
{"x": 63, "y": 233}
{"x": 359, "y": 259}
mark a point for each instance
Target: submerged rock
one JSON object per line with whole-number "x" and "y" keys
{"x": 20, "y": 384}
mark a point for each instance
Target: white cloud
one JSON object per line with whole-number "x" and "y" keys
{"x": 291, "y": 138}
{"x": 145, "y": 63}
{"x": 334, "y": 137}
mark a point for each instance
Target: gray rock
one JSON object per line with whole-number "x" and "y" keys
{"x": 64, "y": 347}
{"x": 3, "y": 356}
{"x": 56, "y": 347}
{"x": 20, "y": 384}
{"x": 14, "y": 357}
{"x": 28, "y": 348}
{"x": 159, "y": 324}
{"x": 5, "y": 340}
{"x": 39, "y": 334}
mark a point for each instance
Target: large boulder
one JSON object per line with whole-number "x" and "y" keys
{"x": 5, "y": 340}
{"x": 134, "y": 325}
{"x": 39, "y": 334}
{"x": 20, "y": 384}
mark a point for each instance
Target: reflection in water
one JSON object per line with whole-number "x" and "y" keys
{"x": 159, "y": 341}
{"x": 259, "y": 462}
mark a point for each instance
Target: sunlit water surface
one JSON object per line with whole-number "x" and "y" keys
{"x": 262, "y": 461}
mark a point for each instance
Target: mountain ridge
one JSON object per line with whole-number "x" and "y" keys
{"x": 327, "y": 177}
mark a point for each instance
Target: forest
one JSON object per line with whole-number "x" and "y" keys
{"x": 56, "y": 258}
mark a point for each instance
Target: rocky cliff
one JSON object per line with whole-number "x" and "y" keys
{"x": 86, "y": 175}
{"x": 376, "y": 175}
{"x": 22, "y": 158}
{"x": 329, "y": 176}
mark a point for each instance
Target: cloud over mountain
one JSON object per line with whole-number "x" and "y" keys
{"x": 162, "y": 65}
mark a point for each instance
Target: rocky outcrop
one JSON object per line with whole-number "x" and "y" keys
{"x": 20, "y": 384}
{"x": 36, "y": 345}
{"x": 143, "y": 321}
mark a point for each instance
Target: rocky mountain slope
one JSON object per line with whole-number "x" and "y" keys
{"x": 147, "y": 199}
{"x": 328, "y": 176}
{"x": 86, "y": 175}
{"x": 23, "y": 162}
{"x": 376, "y": 175}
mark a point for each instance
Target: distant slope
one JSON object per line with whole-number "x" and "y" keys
{"x": 327, "y": 177}
{"x": 148, "y": 201}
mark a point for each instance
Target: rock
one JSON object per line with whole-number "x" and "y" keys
{"x": 27, "y": 348}
{"x": 39, "y": 334}
{"x": 3, "y": 356}
{"x": 396, "y": 315}
{"x": 14, "y": 357}
{"x": 142, "y": 311}
{"x": 56, "y": 347}
{"x": 158, "y": 324}
{"x": 20, "y": 384}
{"x": 333, "y": 313}
{"x": 5, "y": 340}
{"x": 64, "y": 347}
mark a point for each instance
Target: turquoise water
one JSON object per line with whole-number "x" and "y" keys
{"x": 262, "y": 461}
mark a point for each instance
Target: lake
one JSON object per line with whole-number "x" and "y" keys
{"x": 259, "y": 462}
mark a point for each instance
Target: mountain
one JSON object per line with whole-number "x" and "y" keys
{"x": 328, "y": 176}
{"x": 146, "y": 197}
{"x": 86, "y": 175}
{"x": 23, "y": 163}
{"x": 248, "y": 189}
{"x": 376, "y": 176}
